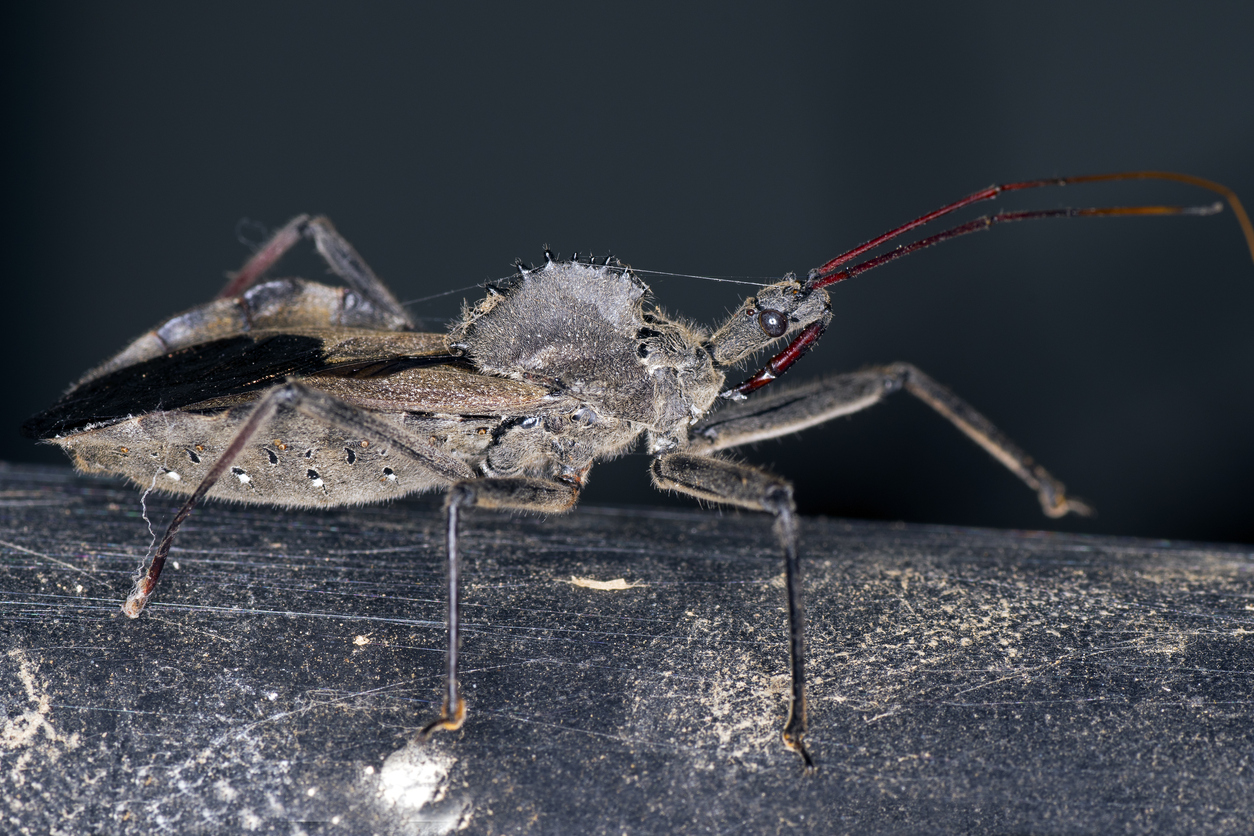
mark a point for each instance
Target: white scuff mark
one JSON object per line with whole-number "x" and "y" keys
{"x": 21, "y": 732}
{"x": 414, "y": 784}
{"x": 223, "y": 790}
{"x": 48, "y": 558}
{"x": 410, "y": 779}
{"x": 735, "y": 696}
{"x": 361, "y": 641}
{"x": 604, "y": 586}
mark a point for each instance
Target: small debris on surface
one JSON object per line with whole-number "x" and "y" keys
{"x": 604, "y": 586}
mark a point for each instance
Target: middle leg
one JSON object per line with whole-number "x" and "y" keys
{"x": 731, "y": 483}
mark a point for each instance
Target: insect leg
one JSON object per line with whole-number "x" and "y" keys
{"x": 732, "y": 483}
{"x": 798, "y": 408}
{"x": 349, "y": 266}
{"x": 339, "y": 255}
{"x": 512, "y": 493}
{"x": 317, "y": 405}
{"x": 265, "y": 258}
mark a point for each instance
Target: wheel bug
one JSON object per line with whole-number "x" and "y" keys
{"x": 292, "y": 393}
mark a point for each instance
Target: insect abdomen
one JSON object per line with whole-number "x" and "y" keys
{"x": 300, "y": 463}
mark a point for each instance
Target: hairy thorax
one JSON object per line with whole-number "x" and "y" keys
{"x": 588, "y": 333}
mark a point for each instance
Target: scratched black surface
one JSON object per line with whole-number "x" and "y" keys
{"x": 963, "y": 680}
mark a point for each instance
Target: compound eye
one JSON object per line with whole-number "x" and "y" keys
{"x": 773, "y": 323}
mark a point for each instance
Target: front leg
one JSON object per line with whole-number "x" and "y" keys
{"x": 730, "y": 483}
{"x": 506, "y": 493}
{"x": 795, "y": 409}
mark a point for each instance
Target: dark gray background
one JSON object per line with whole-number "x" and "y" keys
{"x": 725, "y": 141}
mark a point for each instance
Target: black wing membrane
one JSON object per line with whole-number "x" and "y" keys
{"x": 218, "y": 369}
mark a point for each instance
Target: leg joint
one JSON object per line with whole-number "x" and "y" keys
{"x": 461, "y": 495}
{"x": 779, "y": 499}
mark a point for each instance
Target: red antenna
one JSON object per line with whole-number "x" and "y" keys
{"x": 829, "y": 273}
